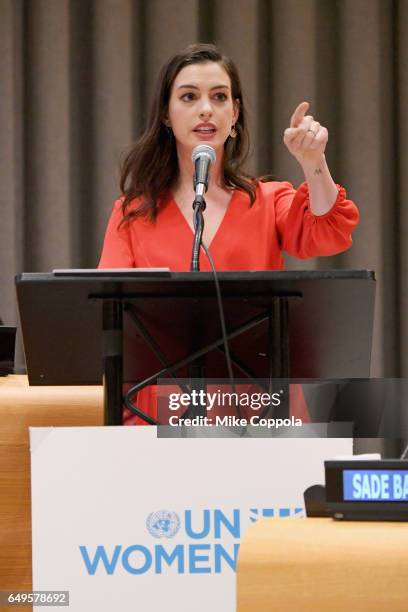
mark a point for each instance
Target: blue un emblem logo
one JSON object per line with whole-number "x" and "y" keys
{"x": 163, "y": 524}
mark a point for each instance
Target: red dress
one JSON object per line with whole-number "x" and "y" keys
{"x": 248, "y": 238}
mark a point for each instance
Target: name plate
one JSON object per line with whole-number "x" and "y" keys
{"x": 367, "y": 490}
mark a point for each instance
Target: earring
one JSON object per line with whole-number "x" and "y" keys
{"x": 233, "y": 132}
{"x": 167, "y": 125}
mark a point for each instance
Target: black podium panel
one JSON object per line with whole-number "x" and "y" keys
{"x": 330, "y": 322}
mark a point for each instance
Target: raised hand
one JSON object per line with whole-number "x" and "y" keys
{"x": 305, "y": 139}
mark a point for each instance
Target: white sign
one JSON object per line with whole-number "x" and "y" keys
{"x": 125, "y": 521}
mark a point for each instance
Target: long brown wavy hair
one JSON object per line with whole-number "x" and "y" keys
{"x": 151, "y": 166}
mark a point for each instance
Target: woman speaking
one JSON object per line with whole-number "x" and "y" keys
{"x": 248, "y": 222}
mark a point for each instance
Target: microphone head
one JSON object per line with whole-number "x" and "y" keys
{"x": 203, "y": 151}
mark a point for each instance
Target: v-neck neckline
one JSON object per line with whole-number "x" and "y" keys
{"x": 226, "y": 214}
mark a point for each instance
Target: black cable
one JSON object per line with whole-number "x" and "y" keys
{"x": 221, "y": 311}
{"x": 223, "y": 326}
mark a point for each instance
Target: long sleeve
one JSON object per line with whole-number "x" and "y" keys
{"x": 117, "y": 249}
{"x": 303, "y": 234}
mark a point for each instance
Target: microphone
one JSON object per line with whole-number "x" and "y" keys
{"x": 203, "y": 156}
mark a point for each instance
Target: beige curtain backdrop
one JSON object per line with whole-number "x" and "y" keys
{"x": 76, "y": 77}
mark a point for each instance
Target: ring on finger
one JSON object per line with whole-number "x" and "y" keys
{"x": 312, "y": 131}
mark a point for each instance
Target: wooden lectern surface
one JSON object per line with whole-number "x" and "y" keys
{"x": 22, "y": 406}
{"x": 322, "y": 565}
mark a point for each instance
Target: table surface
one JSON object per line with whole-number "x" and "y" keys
{"x": 22, "y": 406}
{"x": 318, "y": 565}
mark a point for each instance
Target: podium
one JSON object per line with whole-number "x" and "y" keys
{"x": 138, "y": 326}
{"x": 80, "y": 328}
